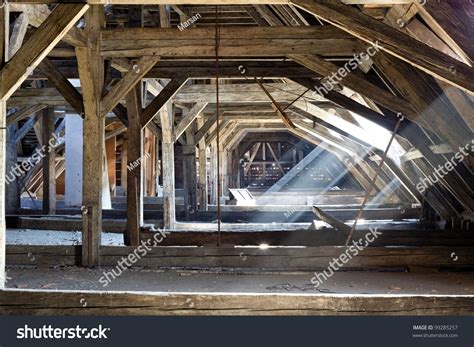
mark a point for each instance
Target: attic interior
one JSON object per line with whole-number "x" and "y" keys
{"x": 242, "y": 147}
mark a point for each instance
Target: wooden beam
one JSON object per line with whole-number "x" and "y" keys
{"x": 24, "y": 113}
{"x": 49, "y": 162}
{"x": 158, "y": 102}
{"x": 41, "y": 42}
{"x": 393, "y": 42}
{"x": 259, "y": 41}
{"x": 91, "y": 72}
{"x": 4, "y": 35}
{"x": 18, "y": 34}
{"x": 452, "y": 23}
{"x": 129, "y": 80}
{"x": 201, "y": 133}
{"x": 279, "y": 111}
{"x": 344, "y": 228}
{"x": 37, "y": 14}
{"x": 135, "y": 169}
{"x": 356, "y": 83}
{"x": 202, "y": 181}
{"x": 169, "y": 208}
{"x": 190, "y": 173}
{"x": 67, "y": 90}
{"x": 25, "y": 128}
{"x": 191, "y": 115}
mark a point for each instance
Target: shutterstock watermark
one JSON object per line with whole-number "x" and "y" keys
{"x": 189, "y": 22}
{"x": 47, "y": 332}
{"x": 20, "y": 170}
{"x": 350, "y": 252}
{"x": 329, "y": 82}
{"x": 127, "y": 262}
{"x": 443, "y": 170}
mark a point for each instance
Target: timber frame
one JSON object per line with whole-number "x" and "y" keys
{"x": 138, "y": 80}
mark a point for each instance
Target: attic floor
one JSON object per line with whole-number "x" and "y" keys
{"x": 356, "y": 282}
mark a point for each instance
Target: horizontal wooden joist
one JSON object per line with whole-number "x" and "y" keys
{"x": 290, "y": 259}
{"x": 239, "y": 93}
{"x": 56, "y": 302}
{"x": 168, "y": 69}
{"x": 234, "y": 41}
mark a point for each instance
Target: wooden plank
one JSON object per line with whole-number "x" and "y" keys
{"x": 393, "y": 42}
{"x": 128, "y": 81}
{"x": 344, "y": 228}
{"x": 49, "y": 163}
{"x": 134, "y": 141}
{"x": 41, "y": 42}
{"x": 199, "y": 42}
{"x": 160, "y": 101}
{"x": 45, "y": 302}
{"x": 67, "y": 90}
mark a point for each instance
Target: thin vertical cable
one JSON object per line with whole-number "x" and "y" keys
{"x": 219, "y": 187}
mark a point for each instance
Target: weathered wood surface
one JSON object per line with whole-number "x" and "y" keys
{"x": 234, "y": 41}
{"x": 392, "y": 41}
{"x": 41, "y": 42}
{"x": 42, "y": 302}
{"x": 91, "y": 71}
{"x": 277, "y": 259}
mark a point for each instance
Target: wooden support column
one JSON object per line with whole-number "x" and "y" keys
{"x": 3, "y": 117}
{"x": 135, "y": 170}
{"x": 12, "y": 188}
{"x": 49, "y": 162}
{"x": 4, "y": 25}
{"x": 169, "y": 207}
{"x": 91, "y": 72}
{"x": 202, "y": 182}
{"x": 189, "y": 173}
{"x": 213, "y": 181}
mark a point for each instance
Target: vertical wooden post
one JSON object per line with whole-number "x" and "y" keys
{"x": 91, "y": 72}
{"x": 49, "y": 162}
{"x": 169, "y": 208}
{"x": 202, "y": 183}
{"x": 123, "y": 167}
{"x": 12, "y": 188}
{"x": 189, "y": 173}
{"x": 157, "y": 166}
{"x": 135, "y": 169}
{"x": 235, "y": 172}
{"x": 3, "y": 122}
{"x": 213, "y": 181}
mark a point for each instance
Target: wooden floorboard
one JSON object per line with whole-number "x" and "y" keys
{"x": 42, "y": 302}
